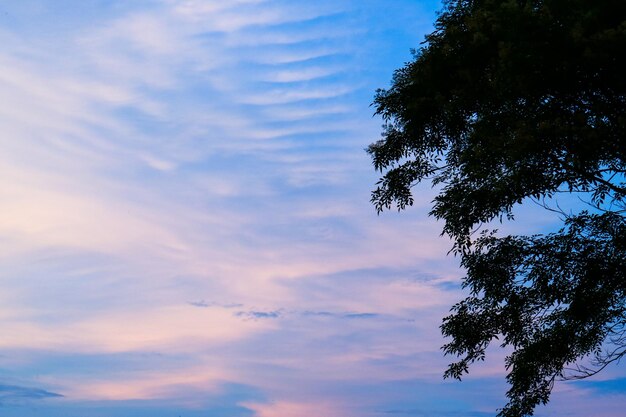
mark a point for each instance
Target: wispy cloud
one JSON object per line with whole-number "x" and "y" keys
{"x": 11, "y": 393}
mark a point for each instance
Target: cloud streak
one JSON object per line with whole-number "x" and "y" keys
{"x": 12, "y": 393}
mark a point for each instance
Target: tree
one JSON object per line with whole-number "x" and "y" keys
{"x": 506, "y": 101}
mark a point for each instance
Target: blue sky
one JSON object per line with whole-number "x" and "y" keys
{"x": 186, "y": 227}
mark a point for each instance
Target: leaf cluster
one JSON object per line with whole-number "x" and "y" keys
{"x": 555, "y": 299}
{"x": 509, "y": 100}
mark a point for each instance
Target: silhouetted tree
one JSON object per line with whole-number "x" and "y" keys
{"x": 510, "y": 100}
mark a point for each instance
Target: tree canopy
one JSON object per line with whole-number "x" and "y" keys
{"x": 510, "y": 100}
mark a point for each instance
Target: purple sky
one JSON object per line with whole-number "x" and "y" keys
{"x": 186, "y": 227}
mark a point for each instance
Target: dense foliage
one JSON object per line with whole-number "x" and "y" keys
{"x": 510, "y": 100}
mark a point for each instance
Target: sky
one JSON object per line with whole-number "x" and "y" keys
{"x": 185, "y": 223}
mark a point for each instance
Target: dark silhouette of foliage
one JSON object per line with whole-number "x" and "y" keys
{"x": 511, "y": 100}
